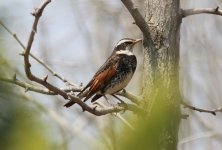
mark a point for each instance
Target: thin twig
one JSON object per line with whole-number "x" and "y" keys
{"x": 217, "y": 110}
{"x": 35, "y": 58}
{"x": 60, "y": 120}
{"x": 118, "y": 116}
{"x": 34, "y": 88}
{"x": 213, "y": 112}
{"x": 208, "y": 134}
{"x": 189, "y": 12}
{"x": 28, "y": 87}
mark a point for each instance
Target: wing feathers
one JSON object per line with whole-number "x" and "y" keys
{"x": 99, "y": 80}
{"x": 102, "y": 78}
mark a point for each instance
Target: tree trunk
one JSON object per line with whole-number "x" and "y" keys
{"x": 158, "y": 128}
{"x": 161, "y": 73}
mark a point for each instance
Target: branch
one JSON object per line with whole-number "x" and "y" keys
{"x": 34, "y": 57}
{"x": 37, "y": 14}
{"x": 217, "y": 110}
{"x": 189, "y": 12}
{"x": 139, "y": 19}
{"x": 28, "y": 87}
{"x": 103, "y": 111}
{"x": 118, "y": 116}
{"x": 93, "y": 110}
{"x": 208, "y": 134}
{"x": 133, "y": 98}
{"x": 213, "y": 112}
{"x": 57, "y": 118}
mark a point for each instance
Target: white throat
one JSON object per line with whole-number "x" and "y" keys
{"x": 126, "y": 52}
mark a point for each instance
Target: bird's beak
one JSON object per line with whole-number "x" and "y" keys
{"x": 137, "y": 41}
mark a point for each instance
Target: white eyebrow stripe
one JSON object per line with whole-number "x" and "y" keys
{"x": 126, "y": 52}
{"x": 123, "y": 41}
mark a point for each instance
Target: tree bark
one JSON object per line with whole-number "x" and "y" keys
{"x": 158, "y": 129}
{"x": 161, "y": 74}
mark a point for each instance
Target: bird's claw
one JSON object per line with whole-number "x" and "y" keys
{"x": 122, "y": 104}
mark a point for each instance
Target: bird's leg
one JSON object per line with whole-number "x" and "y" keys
{"x": 121, "y": 101}
{"x": 124, "y": 90}
{"x": 106, "y": 98}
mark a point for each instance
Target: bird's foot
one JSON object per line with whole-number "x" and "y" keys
{"x": 122, "y": 103}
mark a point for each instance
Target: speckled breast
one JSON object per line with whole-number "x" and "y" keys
{"x": 124, "y": 73}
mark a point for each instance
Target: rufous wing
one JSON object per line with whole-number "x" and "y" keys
{"x": 100, "y": 80}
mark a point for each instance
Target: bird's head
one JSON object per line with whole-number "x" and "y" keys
{"x": 126, "y": 45}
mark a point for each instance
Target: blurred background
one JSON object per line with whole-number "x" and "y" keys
{"x": 74, "y": 38}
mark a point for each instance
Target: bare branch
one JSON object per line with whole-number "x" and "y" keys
{"x": 208, "y": 134}
{"x": 28, "y": 87}
{"x": 139, "y": 19}
{"x": 133, "y": 98}
{"x": 213, "y": 112}
{"x": 97, "y": 111}
{"x": 118, "y": 116}
{"x": 189, "y": 12}
{"x": 34, "y": 88}
{"x": 60, "y": 120}
{"x": 103, "y": 111}
{"x": 218, "y": 110}
{"x": 37, "y": 14}
{"x": 34, "y": 57}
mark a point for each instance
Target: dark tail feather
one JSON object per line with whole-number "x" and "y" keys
{"x": 97, "y": 96}
{"x": 88, "y": 96}
{"x": 70, "y": 103}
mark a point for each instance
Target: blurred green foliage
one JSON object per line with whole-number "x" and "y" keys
{"x": 159, "y": 129}
{"x": 20, "y": 129}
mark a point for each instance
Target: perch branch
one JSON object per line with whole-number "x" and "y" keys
{"x": 99, "y": 111}
{"x": 189, "y": 12}
{"x": 133, "y": 98}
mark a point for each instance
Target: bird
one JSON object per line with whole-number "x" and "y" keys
{"x": 114, "y": 74}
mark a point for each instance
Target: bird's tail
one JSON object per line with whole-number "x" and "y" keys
{"x": 80, "y": 95}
